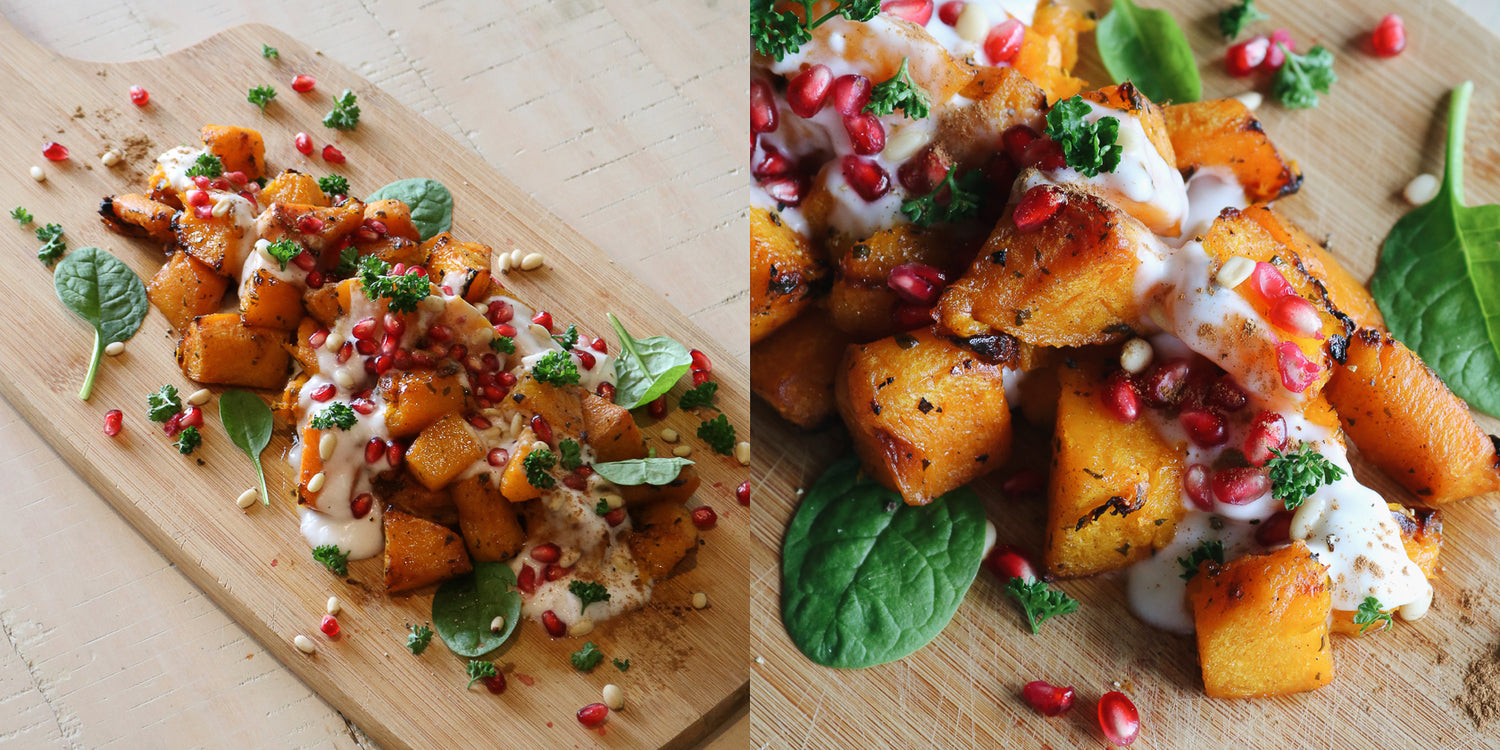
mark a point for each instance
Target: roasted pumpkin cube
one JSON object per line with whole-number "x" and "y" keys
{"x": 610, "y": 430}
{"x": 662, "y": 533}
{"x": 1049, "y": 49}
{"x": 1003, "y": 97}
{"x": 1225, "y": 133}
{"x": 926, "y": 416}
{"x": 1115, "y": 492}
{"x": 311, "y": 465}
{"x": 409, "y": 496}
{"x": 218, "y": 241}
{"x": 266, "y": 300}
{"x": 794, "y": 368}
{"x": 241, "y": 149}
{"x": 417, "y": 398}
{"x": 861, "y": 300}
{"x": 396, "y": 216}
{"x": 292, "y": 186}
{"x": 185, "y": 288}
{"x": 1406, "y": 421}
{"x": 323, "y": 304}
{"x": 443, "y": 450}
{"x": 301, "y": 347}
{"x": 222, "y": 350}
{"x": 419, "y": 553}
{"x": 160, "y": 189}
{"x": 783, "y": 272}
{"x": 1262, "y": 624}
{"x": 135, "y": 215}
{"x": 318, "y": 228}
{"x": 514, "y": 483}
{"x": 393, "y": 250}
{"x": 491, "y": 530}
{"x": 284, "y": 407}
{"x": 1336, "y": 284}
{"x": 561, "y": 406}
{"x": 676, "y": 491}
{"x": 1422, "y": 539}
{"x": 470, "y": 260}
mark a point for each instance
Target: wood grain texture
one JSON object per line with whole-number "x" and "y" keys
{"x": 689, "y": 666}
{"x": 1381, "y": 126}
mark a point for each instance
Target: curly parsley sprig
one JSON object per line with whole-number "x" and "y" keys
{"x": 345, "y": 112}
{"x": 1235, "y": 18}
{"x": 404, "y": 292}
{"x": 538, "y": 465}
{"x": 206, "y": 165}
{"x": 899, "y": 92}
{"x": 1297, "y": 474}
{"x": 418, "y": 638}
{"x": 1208, "y": 549}
{"x": 336, "y": 560}
{"x": 334, "y": 184}
{"x": 260, "y": 96}
{"x": 778, "y": 33}
{"x": 479, "y": 670}
{"x": 54, "y": 246}
{"x": 588, "y": 592}
{"x": 963, "y": 200}
{"x": 1088, "y": 147}
{"x": 1038, "y": 602}
{"x": 719, "y": 434}
{"x": 1369, "y": 614}
{"x": 1301, "y": 77}
{"x": 556, "y": 368}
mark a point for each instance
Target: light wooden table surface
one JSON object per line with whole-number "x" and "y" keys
{"x": 623, "y": 117}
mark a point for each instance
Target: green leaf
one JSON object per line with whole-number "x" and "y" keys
{"x": 864, "y": 585}
{"x": 106, "y": 294}
{"x": 430, "y": 203}
{"x": 333, "y": 558}
{"x": 899, "y": 92}
{"x": 1148, "y": 48}
{"x": 345, "y": 113}
{"x": 464, "y": 607}
{"x": 538, "y": 464}
{"x": 634, "y": 471}
{"x": 588, "y": 592}
{"x": 161, "y": 405}
{"x": 1301, "y": 77}
{"x": 556, "y": 368}
{"x": 1088, "y": 146}
{"x": 586, "y": 658}
{"x": 621, "y": 664}
{"x": 418, "y": 638}
{"x": 646, "y": 368}
{"x": 1235, "y": 18}
{"x": 719, "y": 434}
{"x": 1438, "y": 282}
{"x": 248, "y": 421}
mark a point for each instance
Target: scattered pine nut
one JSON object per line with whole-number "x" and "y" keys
{"x": 532, "y": 261}
{"x": 584, "y": 626}
{"x": 316, "y": 483}
{"x": 700, "y": 600}
{"x": 682, "y": 451}
{"x": 200, "y": 397}
{"x": 614, "y": 501}
{"x": 221, "y": 209}
{"x": 1251, "y": 100}
{"x": 742, "y": 452}
{"x": 1233, "y": 272}
{"x": 38, "y": 175}
{"x": 991, "y": 536}
{"x": 334, "y": 342}
{"x": 614, "y": 697}
{"x": 670, "y": 435}
{"x": 343, "y": 378}
{"x": 247, "y": 498}
{"x": 1136, "y": 356}
{"x": 1421, "y": 189}
{"x": 515, "y": 257}
{"x": 333, "y": 605}
{"x": 504, "y": 261}
{"x": 972, "y": 24}
{"x": 497, "y": 624}
{"x": 109, "y": 159}
{"x": 115, "y": 348}
{"x": 304, "y": 644}
{"x": 326, "y": 445}
{"x": 760, "y": 660}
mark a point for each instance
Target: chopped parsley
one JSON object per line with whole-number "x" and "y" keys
{"x": 963, "y": 200}
{"x": 537, "y": 465}
{"x": 503, "y": 345}
{"x": 337, "y": 414}
{"x": 260, "y": 96}
{"x": 1208, "y": 549}
{"x": 701, "y": 395}
{"x": 588, "y": 592}
{"x": 21, "y": 215}
{"x": 188, "y": 441}
{"x": 621, "y": 664}
{"x": 345, "y": 112}
{"x": 572, "y": 453}
{"x": 334, "y": 185}
{"x": 556, "y": 368}
{"x": 898, "y": 92}
{"x": 1235, "y": 18}
{"x": 269, "y": 52}
{"x": 404, "y": 292}
{"x": 569, "y": 338}
{"x": 1301, "y": 77}
{"x": 53, "y": 245}
{"x": 586, "y": 658}
{"x": 1297, "y": 474}
{"x": 334, "y": 560}
{"x": 283, "y": 251}
{"x": 348, "y": 260}
{"x": 1039, "y": 602}
{"x": 1369, "y": 614}
{"x": 206, "y": 165}
{"x": 160, "y": 406}
{"x": 719, "y": 434}
{"x": 777, "y": 33}
{"x": 479, "y": 670}
{"x": 418, "y": 638}
{"x": 602, "y": 508}
{"x": 1088, "y": 147}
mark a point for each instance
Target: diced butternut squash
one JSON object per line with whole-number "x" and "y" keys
{"x": 292, "y": 186}
{"x": 1003, "y": 97}
{"x": 323, "y": 305}
{"x": 1422, "y": 538}
{"x": 218, "y": 241}
{"x": 445, "y": 448}
{"x": 783, "y": 272}
{"x": 318, "y": 228}
{"x": 420, "y": 553}
{"x": 1225, "y": 133}
{"x": 1263, "y": 624}
{"x": 514, "y": 484}
{"x": 396, "y": 217}
{"x": 926, "y": 416}
{"x": 394, "y": 250}
{"x": 266, "y": 300}
{"x": 1158, "y": 217}
{"x": 488, "y": 521}
{"x": 161, "y": 189}
{"x": 662, "y": 534}
{"x": 310, "y": 466}
{"x": 611, "y": 430}
{"x": 1406, "y": 421}
{"x": 794, "y": 368}
{"x": 676, "y": 491}
{"x": 284, "y": 408}
{"x": 1049, "y": 49}
{"x": 1115, "y": 492}
{"x": 561, "y": 406}
{"x": 410, "y": 496}
{"x": 136, "y": 215}
{"x": 185, "y": 288}
{"x": 222, "y": 350}
{"x": 1338, "y": 286}
{"x": 417, "y": 398}
{"x": 241, "y": 149}
{"x": 470, "y": 260}
{"x": 861, "y": 300}
{"x": 301, "y": 347}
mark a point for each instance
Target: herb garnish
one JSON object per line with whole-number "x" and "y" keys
{"x": 106, "y": 294}
{"x": 54, "y": 246}
{"x": 160, "y": 406}
{"x": 337, "y": 414}
{"x": 1297, "y": 474}
{"x": 963, "y": 200}
{"x": 21, "y": 215}
{"x": 572, "y": 453}
{"x": 556, "y": 368}
{"x": 1088, "y": 147}
{"x": 636, "y": 471}
{"x": 269, "y": 52}
{"x": 404, "y": 292}
{"x": 1301, "y": 77}
{"x": 348, "y": 261}
{"x": 188, "y": 440}
{"x": 621, "y": 664}
{"x": 479, "y": 670}
{"x": 260, "y": 96}
{"x": 418, "y": 638}
{"x": 588, "y": 592}
{"x": 334, "y": 185}
{"x": 345, "y": 112}
{"x": 1208, "y": 549}
{"x": 503, "y": 345}
{"x": 586, "y": 658}
{"x": 332, "y": 558}
{"x": 283, "y": 251}
{"x": 1235, "y": 18}
{"x": 1147, "y": 48}
{"x": 898, "y": 92}
{"x": 700, "y": 396}
{"x": 248, "y": 421}
{"x": 602, "y": 508}
{"x": 780, "y": 33}
{"x": 569, "y": 338}
{"x": 206, "y": 165}
{"x": 537, "y": 465}
{"x": 1039, "y": 602}
{"x": 1369, "y": 613}
{"x": 719, "y": 434}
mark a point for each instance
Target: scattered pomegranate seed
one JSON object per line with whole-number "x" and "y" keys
{"x": 851, "y": 93}
{"x": 906, "y": 317}
{"x": 1118, "y": 718}
{"x": 593, "y": 714}
{"x": 1274, "y": 55}
{"x": 329, "y": 625}
{"x": 365, "y": 347}
{"x": 1239, "y": 485}
{"x": 866, "y": 134}
{"x": 575, "y": 482}
{"x": 1166, "y": 381}
{"x": 1016, "y": 138}
{"x": 202, "y": 182}
{"x": 658, "y": 408}
{"x": 1004, "y": 41}
{"x": 1226, "y": 395}
{"x": 1047, "y": 698}
{"x": 1389, "y": 37}
{"x": 458, "y": 352}
{"x": 173, "y": 425}
{"x": 441, "y": 333}
{"x": 917, "y": 283}
{"x": 1120, "y": 397}
{"x": 699, "y": 377}
{"x": 113, "y": 420}
{"x": 602, "y": 346}
{"x": 700, "y": 361}
{"x": 54, "y": 151}
{"x": 332, "y": 154}
{"x": 506, "y": 379}
{"x": 1204, "y": 427}
{"x": 948, "y": 12}
{"x": 1267, "y": 433}
{"x": 139, "y": 96}
{"x": 374, "y": 450}
{"x": 1294, "y": 314}
{"x": 495, "y": 683}
{"x": 542, "y": 429}
{"x": 788, "y": 191}
{"x": 556, "y": 573}
{"x": 1242, "y": 59}
{"x": 1023, "y": 483}
{"x": 303, "y": 143}
{"x": 1037, "y": 206}
{"x": 763, "y": 115}
{"x": 363, "y": 406}
{"x": 606, "y": 391}
{"x": 1044, "y": 153}
{"x": 203, "y": 212}
{"x": 704, "y": 517}
{"x": 1275, "y": 530}
{"x": 526, "y": 580}
{"x": 361, "y": 504}
{"x": 499, "y": 311}
{"x": 866, "y": 177}
{"x": 345, "y": 352}
{"x": 918, "y": 12}
{"x": 808, "y": 92}
{"x": 554, "y": 624}
{"x": 324, "y": 393}
{"x": 543, "y": 319}
{"x": 742, "y": 493}
{"x": 546, "y": 553}
{"x": 585, "y": 359}
{"x": 1297, "y": 372}
{"x": 1005, "y": 562}
{"x": 304, "y": 84}
{"x": 1195, "y": 483}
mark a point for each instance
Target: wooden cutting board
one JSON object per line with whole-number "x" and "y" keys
{"x": 1383, "y": 124}
{"x": 688, "y": 668}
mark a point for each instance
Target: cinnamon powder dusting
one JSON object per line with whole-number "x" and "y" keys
{"x": 1481, "y": 696}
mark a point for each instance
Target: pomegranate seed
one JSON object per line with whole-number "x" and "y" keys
{"x": 202, "y": 182}
{"x": 606, "y": 391}
{"x": 704, "y": 517}
{"x": 329, "y": 625}
{"x": 1044, "y": 153}
{"x": 203, "y": 212}
{"x": 54, "y": 151}
{"x": 113, "y": 420}
{"x": 440, "y": 333}
{"x": 1275, "y": 530}
{"x": 907, "y": 317}
{"x": 700, "y": 361}
{"x": 1037, "y": 206}
{"x": 593, "y": 714}
{"x": 498, "y": 457}
{"x": 542, "y": 429}
{"x": 772, "y": 164}
{"x": 851, "y": 93}
{"x": 362, "y": 406}
{"x": 546, "y": 553}
{"x": 1195, "y": 483}
{"x": 374, "y": 450}
{"x": 923, "y": 172}
{"x": 948, "y": 12}
{"x": 377, "y": 226}
{"x": 303, "y": 142}
{"x": 918, "y": 12}
{"x": 543, "y": 319}
{"x": 554, "y": 624}
{"x": 458, "y": 352}
{"x": 1048, "y": 699}
{"x": 1389, "y": 37}
{"x": 499, "y": 311}
{"x": 585, "y": 359}
{"x": 526, "y": 580}
{"x": 384, "y": 363}
{"x": 197, "y": 198}
{"x": 1204, "y": 427}
{"x": 788, "y": 191}
{"x": 495, "y": 683}
{"x": 365, "y": 347}
{"x": 236, "y": 178}
{"x": 866, "y": 134}
{"x": 332, "y": 154}
{"x": 1294, "y": 314}
{"x": 1274, "y": 55}
{"x": 491, "y": 361}
{"x": 658, "y": 408}
{"x": 318, "y": 338}
{"x": 395, "y": 325}
{"x": 139, "y": 96}
{"x": 479, "y": 421}
{"x": 1120, "y": 397}
{"x": 742, "y": 493}
{"x": 1016, "y": 138}
{"x": 917, "y": 283}
{"x": 602, "y": 346}
{"x": 763, "y": 116}
{"x": 1239, "y": 485}
{"x": 303, "y": 84}
{"x": 324, "y": 393}
{"x": 309, "y": 225}
{"x": 506, "y": 379}
{"x": 808, "y": 92}
{"x": 364, "y": 330}
{"x": 615, "y": 517}
{"x": 173, "y": 425}
{"x": 555, "y": 573}
{"x": 699, "y": 378}
{"x": 1267, "y": 433}
{"x": 1297, "y": 372}
{"x": 315, "y": 280}
{"x": 866, "y": 177}
{"x": 345, "y": 352}
{"x": 1005, "y": 562}
{"x": 1242, "y": 59}
{"x": 1004, "y": 41}
{"x": 1118, "y": 718}
{"x": 1226, "y": 395}
{"x": 1166, "y": 381}
{"x": 389, "y": 344}
{"x": 575, "y": 482}
{"x": 1024, "y": 482}
{"x": 361, "y": 504}
{"x": 394, "y": 452}
{"x": 495, "y": 394}
{"x": 305, "y": 261}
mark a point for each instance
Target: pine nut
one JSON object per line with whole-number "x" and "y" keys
{"x": 316, "y": 483}
{"x": 333, "y": 605}
{"x": 504, "y": 261}
{"x": 434, "y": 304}
{"x": 326, "y": 445}
{"x": 115, "y": 348}
{"x": 344, "y": 379}
{"x": 1234, "y": 271}
{"x": 1251, "y": 100}
{"x": 38, "y": 175}
{"x": 614, "y": 697}
{"x": 742, "y": 453}
{"x": 247, "y": 498}
{"x": 991, "y": 535}
{"x": 515, "y": 257}
{"x": 613, "y": 501}
{"x": 497, "y": 624}
{"x": 1308, "y": 514}
{"x": 584, "y": 626}
{"x": 682, "y": 451}
{"x": 972, "y": 24}
{"x": 700, "y": 600}
{"x": 905, "y": 143}
{"x": 109, "y": 159}
{"x": 532, "y": 261}
{"x": 1421, "y": 189}
{"x": 1136, "y": 356}
{"x": 200, "y": 397}
{"x": 221, "y": 209}
{"x": 304, "y": 644}
{"x": 670, "y": 435}
{"x": 334, "y": 343}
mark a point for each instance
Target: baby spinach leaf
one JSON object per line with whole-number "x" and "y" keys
{"x": 464, "y": 607}
{"x": 1438, "y": 282}
{"x": 431, "y": 204}
{"x": 646, "y": 368}
{"x": 106, "y": 294}
{"x": 633, "y": 471}
{"x": 863, "y": 585}
{"x": 248, "y": 421}
{"x": 1148, "y": 48}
